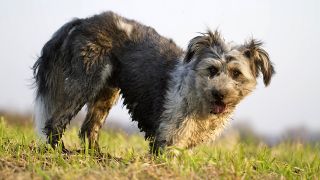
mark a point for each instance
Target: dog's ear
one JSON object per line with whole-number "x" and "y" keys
{"x": 259, "y": 60}
{"x": 193, "y": 47}
{"x": 210, "y": 41}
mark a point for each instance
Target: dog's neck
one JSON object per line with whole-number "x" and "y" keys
{"x": 182, "y": 124}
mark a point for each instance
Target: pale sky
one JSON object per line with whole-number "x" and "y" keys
{"x": 290, "y": 30}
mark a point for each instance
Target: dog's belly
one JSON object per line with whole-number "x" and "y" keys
{"x": 143, "y": 89}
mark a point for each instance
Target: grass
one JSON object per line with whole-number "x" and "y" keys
{"x": 22, "y": 156}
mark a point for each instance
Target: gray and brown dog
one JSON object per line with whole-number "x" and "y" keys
{"x": 178, "y": 98}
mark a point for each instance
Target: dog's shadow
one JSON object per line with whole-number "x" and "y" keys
{"x": 96, "y": 154}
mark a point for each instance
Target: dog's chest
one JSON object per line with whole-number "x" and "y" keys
{"x": 194, "y": 131}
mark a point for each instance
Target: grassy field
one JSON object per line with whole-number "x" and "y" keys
{"x": 24, "y": 157}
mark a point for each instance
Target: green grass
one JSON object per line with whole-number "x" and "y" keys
{"x": 23, "y": 156}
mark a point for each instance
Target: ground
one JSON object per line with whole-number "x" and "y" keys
{"x": 23, "y": 156}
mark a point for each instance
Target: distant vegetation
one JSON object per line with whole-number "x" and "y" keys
{"x": 238, "y": 154}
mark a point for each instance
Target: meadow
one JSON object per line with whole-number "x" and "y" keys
{"x": 23, "y": 156}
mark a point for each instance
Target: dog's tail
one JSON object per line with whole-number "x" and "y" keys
{"x": 47, "y": 76}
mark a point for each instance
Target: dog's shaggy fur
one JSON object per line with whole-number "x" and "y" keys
{"x": 178, "y": 98}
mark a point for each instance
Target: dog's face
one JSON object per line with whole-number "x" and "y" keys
{"x": 225, "y": 74}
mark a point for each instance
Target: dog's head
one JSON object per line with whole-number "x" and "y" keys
{"x": 223, "y": 73}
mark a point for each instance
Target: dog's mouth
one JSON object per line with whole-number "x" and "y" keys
{"x": 218, "y": 108}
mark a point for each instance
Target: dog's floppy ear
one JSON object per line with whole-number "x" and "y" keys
{"x": 259, "y": 60}
{"x": 208, "y": 41}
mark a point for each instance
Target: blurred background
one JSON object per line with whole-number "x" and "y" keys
{"x": 288, "y": 108}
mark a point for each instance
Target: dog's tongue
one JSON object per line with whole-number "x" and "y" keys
{"x": 218, "y": 108}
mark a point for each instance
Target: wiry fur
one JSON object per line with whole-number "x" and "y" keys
{"x": 170, "y": 93}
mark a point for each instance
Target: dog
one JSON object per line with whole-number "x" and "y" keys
{"x": 179, "y": 98}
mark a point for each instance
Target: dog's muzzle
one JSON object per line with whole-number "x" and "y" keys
{"x": 218, "y": 108}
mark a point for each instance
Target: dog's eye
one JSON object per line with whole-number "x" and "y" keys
{"x": 213, "y": 71}
{"x": 236, "y": 73}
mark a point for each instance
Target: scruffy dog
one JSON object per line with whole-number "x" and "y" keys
{"x": 179, "y": 98}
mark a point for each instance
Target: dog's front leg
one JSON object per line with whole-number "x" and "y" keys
{"x": 175, "y": 135}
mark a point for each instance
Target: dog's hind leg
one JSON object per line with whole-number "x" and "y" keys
{"x": 61, "y": 117}
{"x": 98, "y": 110}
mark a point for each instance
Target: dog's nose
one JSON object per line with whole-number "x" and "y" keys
{"x": 217, "y": 95}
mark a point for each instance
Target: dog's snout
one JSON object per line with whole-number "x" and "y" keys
{"x": 217, "y": 95}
